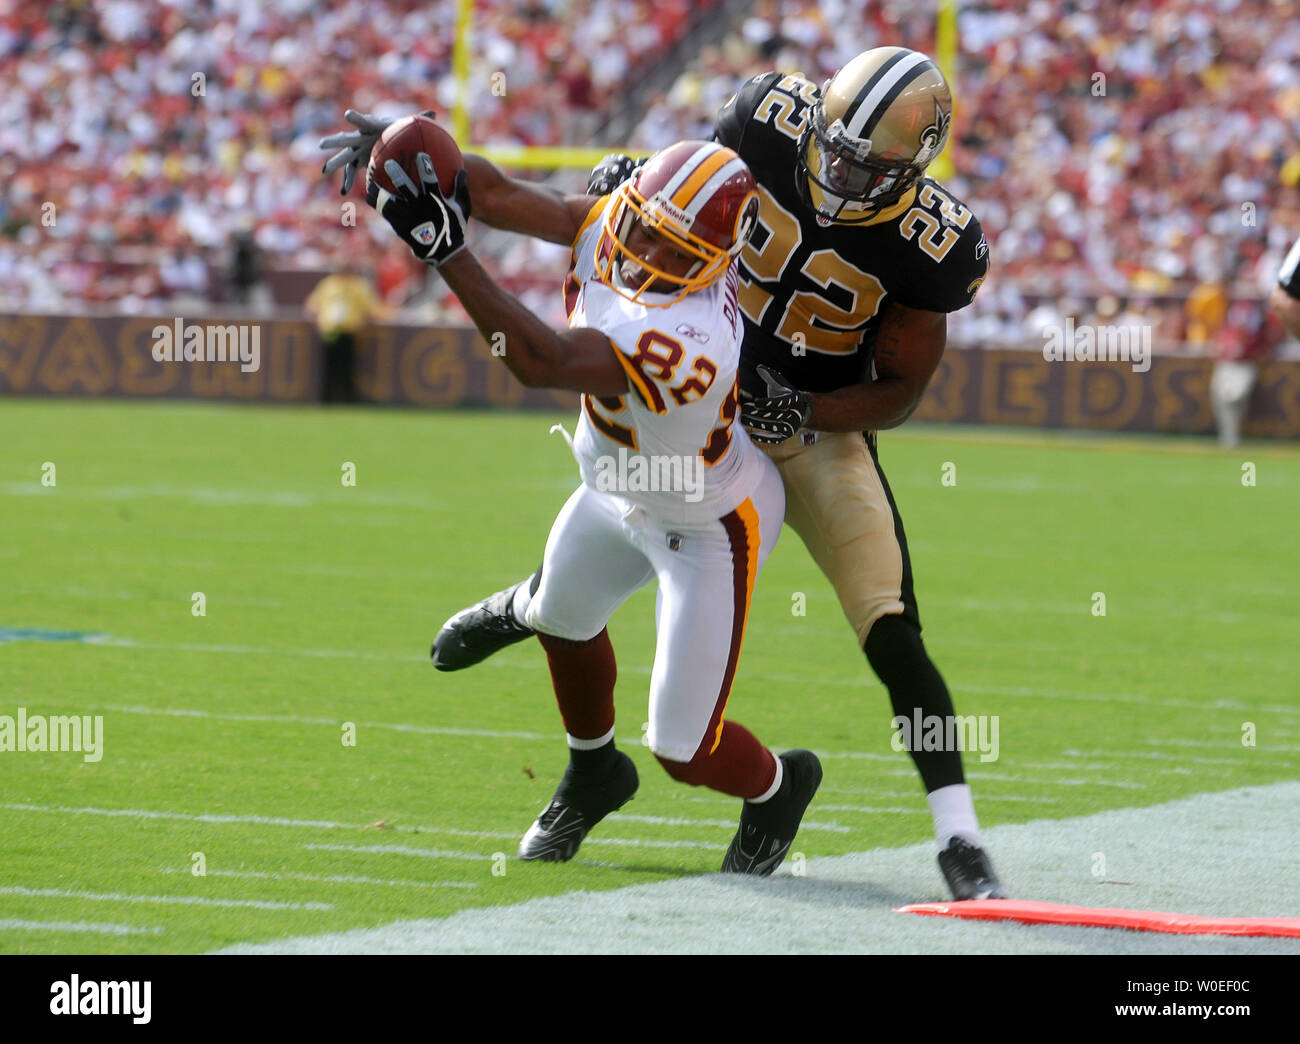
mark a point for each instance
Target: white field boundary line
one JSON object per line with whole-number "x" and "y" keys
{"x": 18, "y": 924}
{"x": 176, "y": 900}
{"x": 287, "y": 875}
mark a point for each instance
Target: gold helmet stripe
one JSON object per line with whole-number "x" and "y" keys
{"x": 880, "y": 90}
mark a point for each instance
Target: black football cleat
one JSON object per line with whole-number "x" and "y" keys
{"x": 476, "y": 633}
{"x": 968, "y": 872}
{"x": 767, "y": 831}
{"x": 578, "y": 805}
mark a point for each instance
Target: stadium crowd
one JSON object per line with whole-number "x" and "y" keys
{"x": 161, "y": 131}
{"x": 1130, "y": 161}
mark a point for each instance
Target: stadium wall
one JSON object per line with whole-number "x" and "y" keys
{"x": 112, "y": 356}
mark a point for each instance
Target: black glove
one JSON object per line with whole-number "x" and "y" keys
{"x": 611, "y": 172}
{"x": 777, "y": 417}
{"x": 430, "y": 224}
{"x": 354, "y": 146}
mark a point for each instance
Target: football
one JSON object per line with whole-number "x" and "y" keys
{"x": 403, "y": 141}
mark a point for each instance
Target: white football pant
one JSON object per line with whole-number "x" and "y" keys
{"x": 602, "y": 550}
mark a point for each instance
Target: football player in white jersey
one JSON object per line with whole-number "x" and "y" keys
{"x": 672, "y": 488}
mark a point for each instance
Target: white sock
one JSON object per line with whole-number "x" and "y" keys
{"x": 589, "y": 744}
{"x": 520, "y": 604}
{"x": 953, "y": 809}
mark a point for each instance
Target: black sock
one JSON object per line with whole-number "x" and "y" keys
{"x": 597, "y": 762}
{"x": 897, "y": 654}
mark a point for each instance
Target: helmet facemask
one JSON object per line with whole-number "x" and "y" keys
{"x": 842, "y": 180}
{"x": 633, "y": 277}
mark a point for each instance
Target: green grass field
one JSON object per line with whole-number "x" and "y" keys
{"x": 223, "y": 734}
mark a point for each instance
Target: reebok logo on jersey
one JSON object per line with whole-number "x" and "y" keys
{"x": 694, "y": 333}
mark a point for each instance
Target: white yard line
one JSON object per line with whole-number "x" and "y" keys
{"x": 873, "y": 809}
{"x": 519, "y": 663}
{"x": 326, "y": 824}
{"x": 440, "y": 730}
{"x": 1271, "y": 748}
{"x": 286, "y": 875}
{"x": 17, "y": 924}
{"x": 727, "y": 824}
{"x": 423, "y": 853}
{"x": 178, "y": 900}
{"x": 292, "y": 719}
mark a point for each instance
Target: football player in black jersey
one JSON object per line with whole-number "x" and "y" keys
{"x": 845, "y": 289}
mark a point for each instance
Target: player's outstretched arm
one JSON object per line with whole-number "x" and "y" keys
{"x": 500, "y": 201}
{"x": 522, "y": 206}
{"x": 537, "y": 354}
{"x": 433, "y": 226}
{"x": 909, "y": 345}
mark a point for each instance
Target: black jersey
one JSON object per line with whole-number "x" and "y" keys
{"x": 1289, "y": 277}
{"x": 811, "y": 292}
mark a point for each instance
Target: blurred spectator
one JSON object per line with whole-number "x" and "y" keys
{"x": 245, "y": 269}
{"x": 342, "y": 306}
{"x": 1247, "y": 338}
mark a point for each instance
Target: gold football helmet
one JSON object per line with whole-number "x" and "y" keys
{"x": 880, "y": 121}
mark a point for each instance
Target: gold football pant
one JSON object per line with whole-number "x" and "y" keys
{"x": 838, "y": 502}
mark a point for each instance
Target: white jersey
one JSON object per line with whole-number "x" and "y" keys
{"x": 671, "y": 444}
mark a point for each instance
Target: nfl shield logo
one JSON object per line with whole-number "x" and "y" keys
{"x": 424, "y": 234}
{"x": 674, "y": 542}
